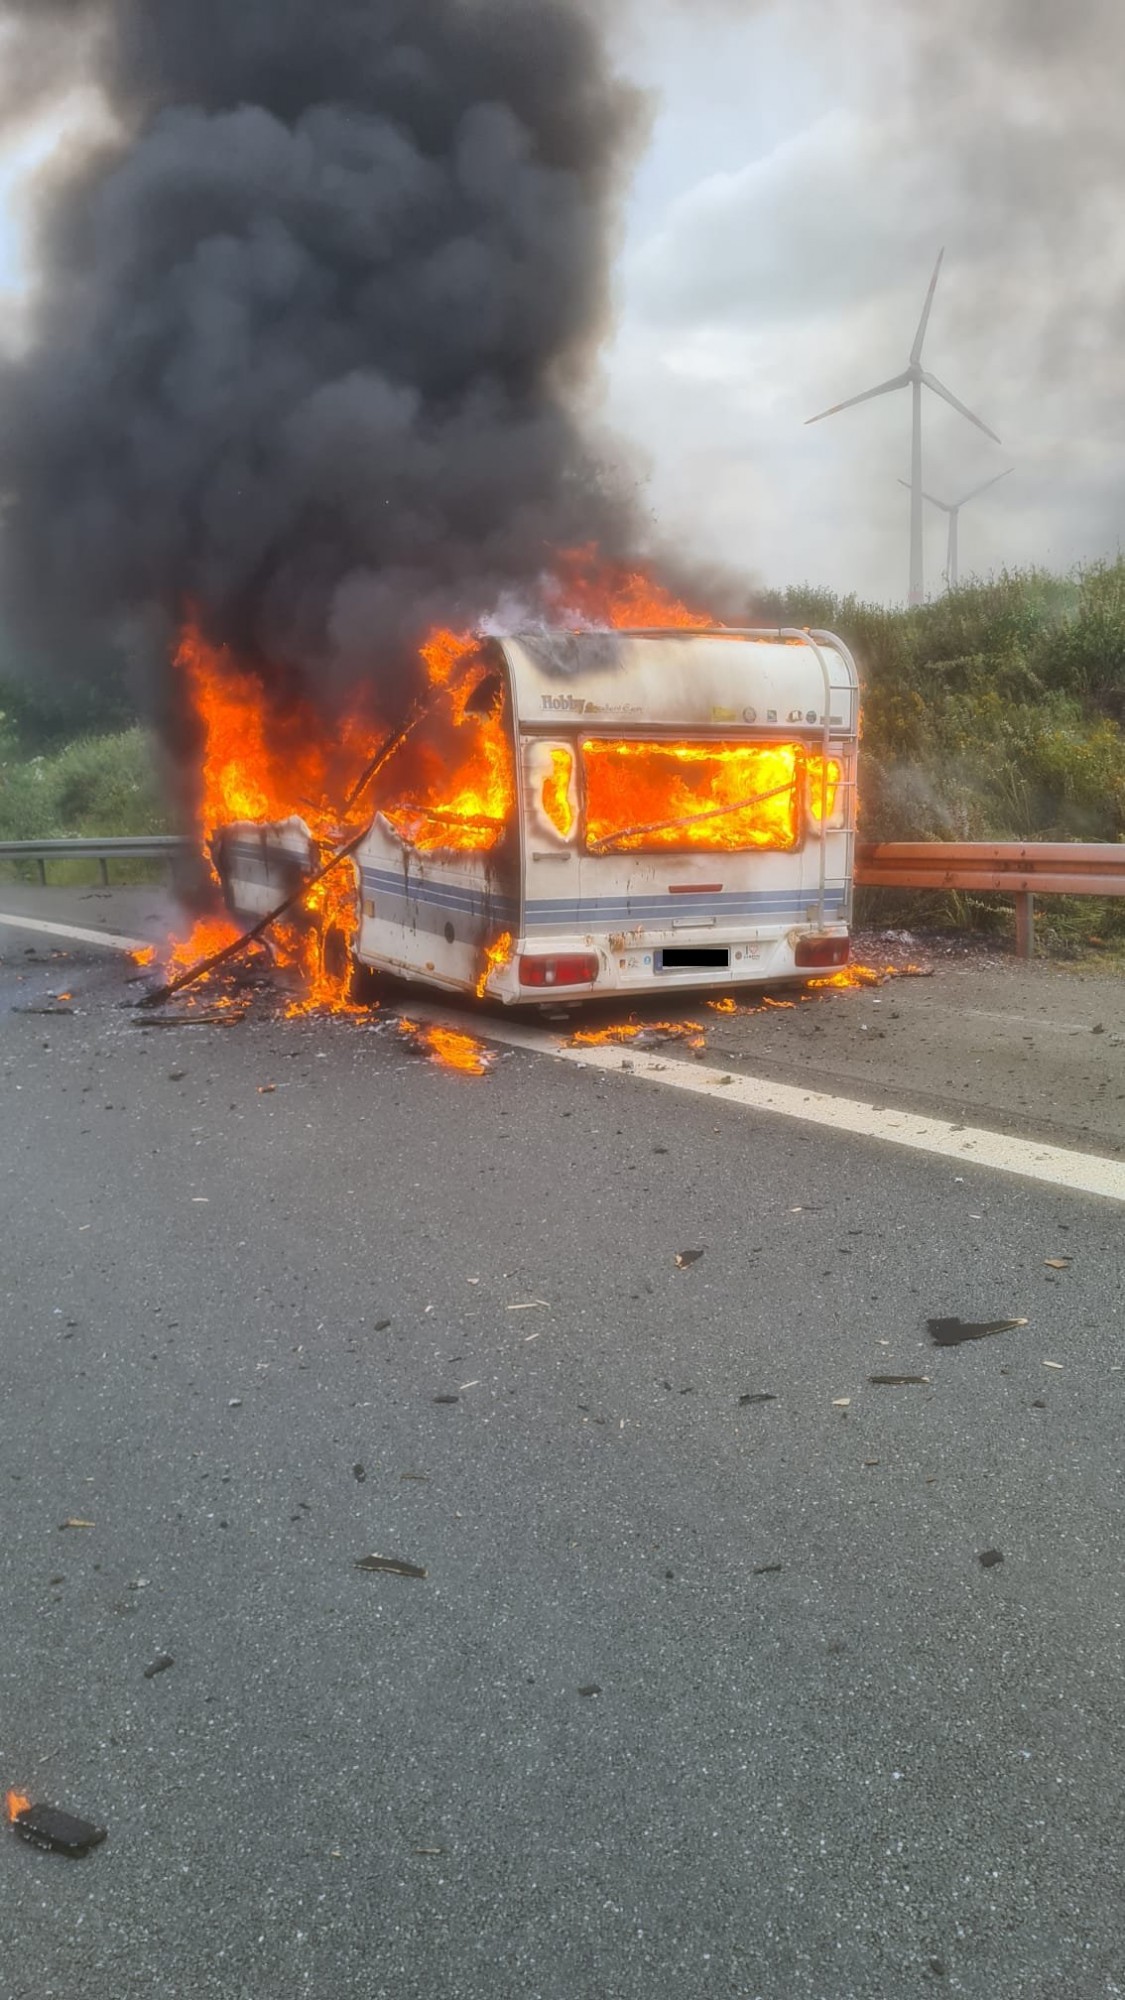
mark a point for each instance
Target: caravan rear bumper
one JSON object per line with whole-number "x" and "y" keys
{"x": 582, "y": 967}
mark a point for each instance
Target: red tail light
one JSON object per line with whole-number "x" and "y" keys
{"x": 823, "y": 951}
{"x": 580, "y": 969}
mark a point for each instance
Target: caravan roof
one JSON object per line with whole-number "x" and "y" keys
{"x": 680, "y": 680}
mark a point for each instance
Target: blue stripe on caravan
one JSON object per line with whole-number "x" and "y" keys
{"x": 649, "y": 909}
{"x": 447, "y": 895}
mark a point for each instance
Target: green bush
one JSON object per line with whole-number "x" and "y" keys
{"x": 99, "y": 785}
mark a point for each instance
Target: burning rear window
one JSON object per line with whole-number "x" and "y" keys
{"x": 647, "y": 797}
{"x": 463, "y": 793}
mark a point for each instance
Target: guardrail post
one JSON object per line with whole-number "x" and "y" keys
{"x": 42, "y": 867}
{"x": 1025, "y": 924}
{"x": 103, "y": 869}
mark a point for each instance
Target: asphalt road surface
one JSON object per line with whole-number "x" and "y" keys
{"x": 702, "y": 1694}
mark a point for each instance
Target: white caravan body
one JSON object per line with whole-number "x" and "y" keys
{"x": 737, "y": 870}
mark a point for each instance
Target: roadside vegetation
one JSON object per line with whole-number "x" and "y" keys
{"x": 993, "y": 712}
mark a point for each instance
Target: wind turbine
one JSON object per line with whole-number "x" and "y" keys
{"x": 953, "y": 509}
{"x": 913, "y": 377}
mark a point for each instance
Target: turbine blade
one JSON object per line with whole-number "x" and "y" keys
{"x": 933, "y": 499}
{"x": 983, "y": 488}
{"x": 947, "y": 396}
{"x": 880, "y": 389}
{"x": 923, "y": 323}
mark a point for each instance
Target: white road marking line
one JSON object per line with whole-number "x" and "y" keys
{"x": 1031, "y": 1159}
{"x": 75, "y": 934}
{"x": 1055, "y": 1166}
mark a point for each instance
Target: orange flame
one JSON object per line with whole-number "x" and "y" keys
{"x": 624, "y": 1032}
{"x": 449, "y": 1048}
{"x": 268, "y": 755}
{"x": 642, "y": 797}
{"x": 586, "y": 588}
{"x": 17, "y": 1803}
{"x": 496, "y": 956}
{"x": 556, "y": 792}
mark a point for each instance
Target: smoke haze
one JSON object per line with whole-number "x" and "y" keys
{"x": 311, "y": 338}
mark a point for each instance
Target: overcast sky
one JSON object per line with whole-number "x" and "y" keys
{"x": 807, "y": 161}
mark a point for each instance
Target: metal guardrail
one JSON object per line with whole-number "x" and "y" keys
{"x": 167, "y": 847}
{"x": 1022, "y": 869}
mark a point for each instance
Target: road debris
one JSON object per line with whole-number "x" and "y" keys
{"x": 954, "y": 1332}
{"x": 359, "y": 1472}
{"x": 988, "y": 1558}
{"x": 841, "y": 1403}
{"x": 1054, "y": 1364}
{"x": 895, "y": 1381}
{"x": 231, "y": 1019}
{"x": 529, "y": 1305}
{"x": 756, "y": 1396}
{"x": 266, "y": 1089}
{"x": 48, "y": 1827}
{"x": 73, "y": 1523}
{"x": 160, "y": 1665}
{"x": 769, "y": 1569}
{"x": 447, "y": 1399}
{"x": 389, "y": 1566}
{"x": 591, "y": 1688}
{"x": 686, "y": 1257}
{"x": 1058, "y": 1263}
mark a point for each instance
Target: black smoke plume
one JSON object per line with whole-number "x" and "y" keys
{"x": 311, "y": 331}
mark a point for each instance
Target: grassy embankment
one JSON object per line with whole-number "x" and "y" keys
{"x": 99, "y": 784}
{"x": 995, "y": 712}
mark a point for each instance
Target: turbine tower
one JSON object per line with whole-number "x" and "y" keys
{"x": 953, "y": 509}
{"x": 914, "y": 376}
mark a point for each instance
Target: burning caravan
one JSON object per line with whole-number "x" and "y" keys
{"x": 678, "y": 813}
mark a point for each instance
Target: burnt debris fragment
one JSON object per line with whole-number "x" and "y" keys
{"x": 988, "y": 1558}
{"x": 390, "y": 1566}
{"x": 953, "y": 1332}
{"x": 56, "y": 1831}
{"x": 160, "y": 1665}
{"x": 686, "y": 1257}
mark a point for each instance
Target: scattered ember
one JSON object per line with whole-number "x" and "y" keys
{"x": 17, "y": 1803}
{"x": 724, "y": 1006}
{"x": 624, "y": 1032}
{"x": 448, "y": 1048}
